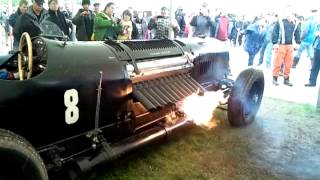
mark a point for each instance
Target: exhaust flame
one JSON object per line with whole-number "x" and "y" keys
{"x": 200, "y": 108}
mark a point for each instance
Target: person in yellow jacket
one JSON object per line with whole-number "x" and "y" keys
{"x": 126, "y": 24}
{"x": 106, "y": 25}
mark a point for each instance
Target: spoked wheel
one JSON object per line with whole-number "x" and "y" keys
{"x": 245, "y": 97}
{"x": 19, "y": 160}
{"x": 25, "y": 39}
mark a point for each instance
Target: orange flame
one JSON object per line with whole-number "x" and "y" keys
{"x": 200, "y": 108}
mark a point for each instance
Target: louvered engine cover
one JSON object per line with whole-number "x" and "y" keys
{"x": 156, "y": 93}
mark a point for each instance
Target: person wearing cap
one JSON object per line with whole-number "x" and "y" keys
{"x": 84, "y": 20}
{"x": 57, "y": 17}
{"x": 161, "y": 24}
{"x": 96, "y": 8}
{"x": 31, "y": 21}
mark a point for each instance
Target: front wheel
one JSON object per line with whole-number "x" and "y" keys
{"x": 245, "y": 97}
{"x": 19, "y": 160}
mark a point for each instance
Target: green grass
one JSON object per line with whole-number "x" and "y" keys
{"x": 223, "y": 152}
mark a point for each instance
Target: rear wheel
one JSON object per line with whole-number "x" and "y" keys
{"x": 245, "y": 97}
{"x": 19, "y": 160}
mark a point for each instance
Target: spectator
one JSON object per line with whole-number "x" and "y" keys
{"x": 144, "y": 25}
{"x": 201, "y": 24}
{"x": 31, "y": 21}
{"x": 84, "y": 20}
{"x": 138, "y": 22}
{"x": 222, "y": 27}
{"x": 162, "y": 25}
{"x": 96, "y": 8}
{"x": 106, "y": 25}
{"x": 67, "y": 13}
{"x": 233, "y": 31}
{"x": 307, "y": 38}
{"x": 134, "y": 19}
{"x": 283, "y": 35}
{"x": 1, "y": 18}
{"x": 126, "y": 24}
{"x": 57, "y": 17}
{"x": 267, "y": 43}
{"x": 254, "y": 39}
{"x": 6, "y": 27}
{"x": 316, "y": 61}
{"x": 242, "y": 24}
{"x": 179, "y": 15}
{"x": 23, "y": 7}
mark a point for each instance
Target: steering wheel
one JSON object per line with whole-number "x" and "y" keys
{"x": 25, "y": 39}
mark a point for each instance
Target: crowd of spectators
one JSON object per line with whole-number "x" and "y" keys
{"x": 269, "y": 35}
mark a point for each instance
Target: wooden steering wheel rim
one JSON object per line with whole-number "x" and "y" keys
{"x": 25, "y": 38}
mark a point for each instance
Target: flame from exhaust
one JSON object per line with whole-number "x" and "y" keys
{"x": 200, "y": 108}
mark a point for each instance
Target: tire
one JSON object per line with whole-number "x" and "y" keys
{"x": 245, "y": 97}
{"x": 19, "y": 160}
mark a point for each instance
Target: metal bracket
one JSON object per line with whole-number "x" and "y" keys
{"x": 106, "y": 147}
{"x": 93, "y": 135}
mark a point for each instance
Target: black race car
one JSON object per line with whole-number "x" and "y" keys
{"x": 78, "y": 104}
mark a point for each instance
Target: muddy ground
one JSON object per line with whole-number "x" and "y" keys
{"x": 283, "y": 143}
{"x": 286, "y": 139}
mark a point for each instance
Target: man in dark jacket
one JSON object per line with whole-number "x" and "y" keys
{"x": 84, "y": 20}
{"x": 23, "y": 7}
{"x": 30, "y": 22}
{"x": 201, "y": 23}
{"x": 285, "y": 34}
{"x": 57, "y": 17}
{"x": 135, "y": 32}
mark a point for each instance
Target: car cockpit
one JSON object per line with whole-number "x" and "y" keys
{"x": 31, "y": 57}
{"x": 25, "y": 63}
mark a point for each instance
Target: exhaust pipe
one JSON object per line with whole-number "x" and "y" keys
{"x": 151, "y": 98}
{"x": 149, "y": 105}
{"x": 162, "y": 95}
{"x": 115, "y": 150}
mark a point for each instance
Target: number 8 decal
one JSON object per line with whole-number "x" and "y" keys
{"x": 71, "y": 100}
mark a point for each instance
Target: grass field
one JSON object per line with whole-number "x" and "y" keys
{"x": 225, "y": 152}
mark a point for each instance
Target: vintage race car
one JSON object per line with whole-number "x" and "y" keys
{"x": 79, "y": 104}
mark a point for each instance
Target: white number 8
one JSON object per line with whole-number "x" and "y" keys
{"x": 71, "y": 100}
